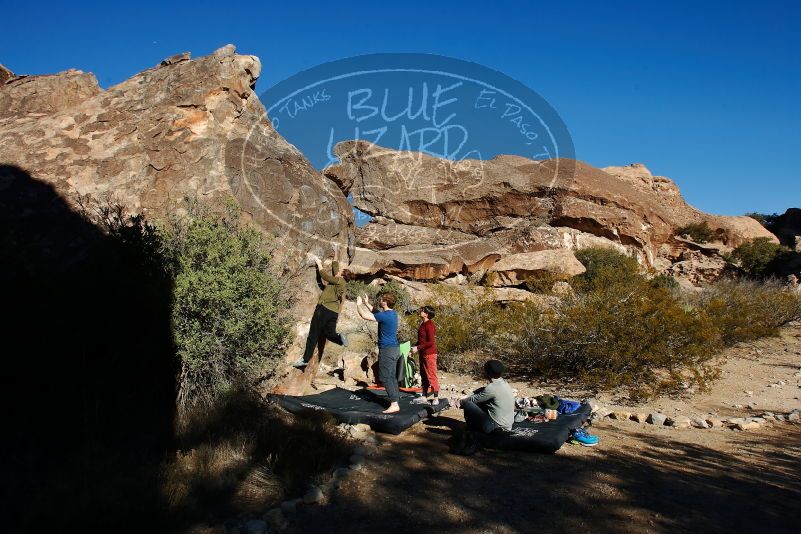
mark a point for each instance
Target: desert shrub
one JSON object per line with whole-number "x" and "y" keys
{"x": 622, "y": 332}
{"x": 259, "y": 455}
{"x": 542, "y": 282}
{"x": 471, "y": 326}
{"x": 747, "y": 310}
{"x": 698, "y": 232}
{"x": 759, "y": 256}
{"x": 664, "y": 280}
{"x": 403, "y": 302}
{"x": 603, "y": 262}
{"x": 229, "y": 311}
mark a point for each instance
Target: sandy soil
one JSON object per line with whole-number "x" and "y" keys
{"x": 640, "y": 478}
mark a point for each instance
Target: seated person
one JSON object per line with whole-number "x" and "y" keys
{"x": 491, "y": 407}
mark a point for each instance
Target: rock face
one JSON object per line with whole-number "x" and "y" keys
{"x": 435, "y": 217}
{"x": 186, "y": 128}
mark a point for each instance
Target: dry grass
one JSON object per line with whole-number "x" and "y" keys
{"x": 246, "y": 456}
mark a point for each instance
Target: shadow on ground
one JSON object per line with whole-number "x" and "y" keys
{"x": 653, "y": 484}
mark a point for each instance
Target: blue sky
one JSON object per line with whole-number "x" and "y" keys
{"x": 706, "y": 93}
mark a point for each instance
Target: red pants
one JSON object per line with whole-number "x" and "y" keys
{"x": 428, "y": 373}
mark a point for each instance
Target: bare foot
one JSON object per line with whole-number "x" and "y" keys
{"x": 393, "y": 408}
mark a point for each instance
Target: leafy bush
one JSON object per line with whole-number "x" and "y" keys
{"x": 229, "y": 312}
{"x": 603, "y": 262}
{"x": 403, "y": 302}
{"x": 748, "y": 310}
{"x": 698, "y": 232}
{"x": 758, "y": 257}
{"x": 665, "y": 281}
{"x": 620, "y": 332}
{"x": 542, "y": 282}
{"x": 470, "y": 326}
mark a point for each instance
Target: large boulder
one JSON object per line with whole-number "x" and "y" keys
{"x": 515, "y": 269}
{"x": 185, "y": 128}
{"x": 425, "y": 205}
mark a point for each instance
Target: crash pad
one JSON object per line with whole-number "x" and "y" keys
{"x": 361, "y": 406}
{"x": 545, "y": 437}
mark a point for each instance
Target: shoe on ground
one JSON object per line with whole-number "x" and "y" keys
{"x": 300, "y": 364}
{"x": 419, "y": 400}
{"x": 584, "y": 438}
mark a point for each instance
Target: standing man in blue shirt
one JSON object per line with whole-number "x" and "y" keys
{"x": 388, "y": 348}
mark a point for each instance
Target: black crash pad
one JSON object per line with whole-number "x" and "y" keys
{"x": 545, "y": 437}
{"x": 362, "y": 406}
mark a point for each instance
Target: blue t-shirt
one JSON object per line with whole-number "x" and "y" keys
{"x": 387, "y": 328}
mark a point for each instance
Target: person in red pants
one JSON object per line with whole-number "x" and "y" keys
{"x": 427, "y": 347}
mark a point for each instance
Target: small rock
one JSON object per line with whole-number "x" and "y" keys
{"x": 275, "y": 519}
{"x": 360, "y": 431}
{"x": 678, "y": 422}
{"x": 738, "y": 406}
{"x": 759, "y": 420}
{"x": 736, "y": 420}
{"x": 748, "y": 393}
{"x": 656, "y": 418}
{"x": 713, "y": 422}
{"x": 177, "y": 58}
{"x": 779, "y": 417}
{"x": 639, "y": 417}
{"x": 752, "y": 406}
{"x": 747, "y": 425}
{"x": 604, "y": 412}
{"x": 781, "y": 382}
{"x": 290, "y": 507}
{"x": 256, "y": 526}
{"x": 620, "y": 416}
{"x": 794, "y": 416}
{"x": 774, "y": 386}
{"x": 313, "y": 496}
{"x": 698, "y": 422}
{"x": 356, "y": 462}
{"x": 225, "y": 51}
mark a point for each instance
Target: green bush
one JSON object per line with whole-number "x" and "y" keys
{"x": 542, "y": 282}
{"x": 229, "y": 311}
{"x": 403, "y": 302}
{"x": 698, "y": 232}
{"x": 748, "y": 310}
{"x": 758, "y": 257}
{"x": 470, "y": 326}
{"x": 603, "y": 263}
{"x": 622, "y": 332}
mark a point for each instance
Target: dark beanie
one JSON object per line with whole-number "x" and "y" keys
{"x": 494, "y": 368}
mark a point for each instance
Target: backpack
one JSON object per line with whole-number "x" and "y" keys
{"x": 406, "y": 366}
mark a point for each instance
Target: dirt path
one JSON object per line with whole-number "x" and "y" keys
{"x": 640, "y": 479}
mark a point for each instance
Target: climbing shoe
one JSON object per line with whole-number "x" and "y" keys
{"x": 579, "y": 436}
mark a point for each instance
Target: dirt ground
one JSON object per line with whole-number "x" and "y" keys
{"x": 640, "y": 478}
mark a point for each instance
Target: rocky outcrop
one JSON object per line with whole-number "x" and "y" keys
{"x": 435, "y": 218}
{"x": 787, "y": 228}
{"x": 515, "y": 269}
{"x": 185, "y": 128}
{"x": 5, "y": 75}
